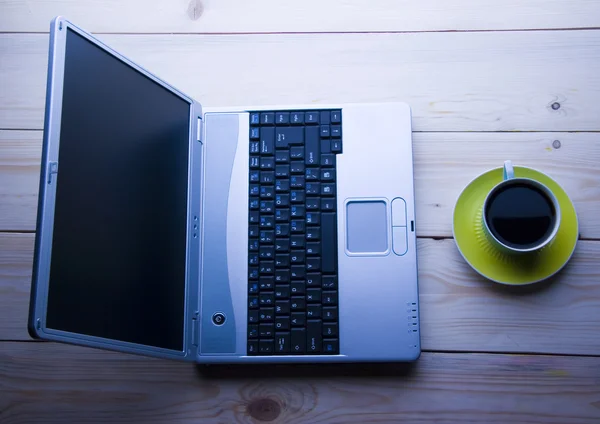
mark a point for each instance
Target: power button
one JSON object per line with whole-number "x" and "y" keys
{"x": 218, "y": 318}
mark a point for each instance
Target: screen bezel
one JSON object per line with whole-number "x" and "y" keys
{"x": 46, "y": 207}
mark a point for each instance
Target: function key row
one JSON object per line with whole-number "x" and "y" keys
{"x": 296, "y": 118}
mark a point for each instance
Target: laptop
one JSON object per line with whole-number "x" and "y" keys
{"x": 267, "y": 234}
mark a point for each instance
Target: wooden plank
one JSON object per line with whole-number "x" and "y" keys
{"x": 209, "y": 16}
{"x": 45, "y": 382}
{"x": 460, "y": 311}
{"x": 444, "y": 164}
{"x": 453, "y": 81}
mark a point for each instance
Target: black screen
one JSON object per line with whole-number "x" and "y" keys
{"x": 119, "y": 245}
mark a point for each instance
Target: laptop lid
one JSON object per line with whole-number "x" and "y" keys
{"x": 117, "y": 249}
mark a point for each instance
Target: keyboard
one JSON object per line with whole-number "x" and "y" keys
{"x": 292, "y": 249}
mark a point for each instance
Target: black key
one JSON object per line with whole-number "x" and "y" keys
{"x": 282, "y": 307}
{"x": 253, "y": 273}
{"x": 281, "y": 156}
{"x": 325, "y": 131}
{"x": 314, "y": 336}
{"x": 328, "y": 159}
{"x": 298, "y": 303}
{"x": 254, "y": 162}
{"x": 266, "y": 221}
{"x": 311, "y": 118}
{"x": 282, "y": 200}
{"x": 313, "y": 233}
{"x": 336, "y": 116}
{"x": 282, "y": 260}
{"x": 297, "y": 226}
{"x": 329, "y": 282}
{"x": 313, "y": 295}
{"x": 313, "y": 188}
{"x": 252, "y": 347}
{"x": 282, "y": 276}
{"x": 282, "y": 342}
{"x": 313, "y": 204}
{"x": 267, "y": 141}
{"x": 336, "y": 146}
{"x": 282, "y": 118}
{"x": 255, "y": 176}
{"x": 265, "y": 346}
{"x": 253, "y": 288}
{"x": 297, "y": 181}
{"x": 254, "y": 118}
{"x": 298, "y": 319}
{"x": 253, "y": 331}
{"x": 253, "y": 245}
{"x": 252, "y": 302}
{"x": 330, "y": 329}
{"x": 267, "y": 252}
{"x": 282, "y": 186}
{"x": 327, "y": 175}
{"x": 253, "y": 231}
{"x": 328, "y": 205}
{"x": 297, "y": 241}
{"x": 329, "y": 243}
{"x": 284, "y": 137}
{"x": 282, "y": 245}
{"x": 254, "y": 189}
{"x": 267, "y": 237}
{"x": 298, "y": 272}
{"x": 313, "y": 218}
{"x": 267, "y": 177}
{"x": 282, "y": 215}
{"x": 313, "y": 264}
{"x": 296, "y": 152}
{"x": 253, "y": 257}
{"x": 267, "y": 267}
{"x": 282, "y": 292}
{"x": 297, "y": 288}
{"x": 325, "y": 146}
{"x": 325, "y": 117}
{"x": 327, "y": 189}
{"x": 267, "y": 162}
{"x": 266, "y": 314}
{"x": 311, "y": 174}
{"x": 297, "y": 167}
{"x": 297, "y": 257}
{"x": 266, "y": 192}
{"x": 266, "y": 330}
{"x": 330, "y": 313}
{"x": 329, "y": 298}
{"x": 267, "y": 118}
{"x": 313, "y": 311}
{"x": 331, "y": 346}
{"x": 297, "y": 118}
{"x": 298, "y": 341}
{"x": 336, "y": 132}
{"x": 312, "y": 147}
{"x": 297, "y": 211}
{"x": 253, "y": 316}
{"x": 267, "y": 206}
{"x": 313, "y": 280}
{"x": 254, "y": 203}
{"x": 255, "y": 145}
{"x": 282, "y": 171}
{"x": 266, "y": 298}
{"x": 282, "y": 230}
{"x": 297, "y": 196}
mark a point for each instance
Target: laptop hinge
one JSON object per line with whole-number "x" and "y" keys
{"x": 195, "y": 332}
{"x": 52, "y": 170}
{"x": 200, "y": 128}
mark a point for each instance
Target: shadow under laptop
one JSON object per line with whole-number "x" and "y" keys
{"x": 325, "y": 370}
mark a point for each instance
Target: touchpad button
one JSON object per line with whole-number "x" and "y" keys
{"x": 366, "y": 226}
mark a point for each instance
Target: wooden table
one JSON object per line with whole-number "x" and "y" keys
{"x": 487, "y": 80}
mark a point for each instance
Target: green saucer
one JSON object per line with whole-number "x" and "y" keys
{"x": 502, "y": 267}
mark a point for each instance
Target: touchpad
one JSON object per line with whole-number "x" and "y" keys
{"x": 366, "y": 226}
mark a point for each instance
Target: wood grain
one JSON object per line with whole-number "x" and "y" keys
{"x": 45, "y": 382}
{"x": 495, "y": 81}
{"x": 209, "y": 16}
{"x": 444, "y": 164}
{"x": 460, "y": 311}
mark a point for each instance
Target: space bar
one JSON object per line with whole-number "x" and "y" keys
{"x": 328, "y": 243}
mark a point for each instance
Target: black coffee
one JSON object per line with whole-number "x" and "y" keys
{"x": 520, "y": 216}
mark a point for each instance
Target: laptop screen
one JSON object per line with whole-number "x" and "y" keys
{"x": 119, "y": 244}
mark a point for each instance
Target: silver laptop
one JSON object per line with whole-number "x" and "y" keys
{"x": 280, "y": 233}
